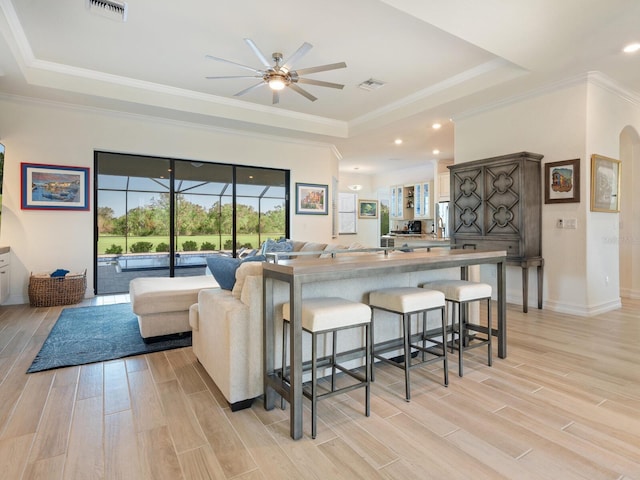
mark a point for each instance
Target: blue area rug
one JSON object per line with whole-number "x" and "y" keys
{"x": 95, "y": 334}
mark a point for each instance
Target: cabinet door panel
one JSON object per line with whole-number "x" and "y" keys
{"x": 467, "y": 201}
{"x": 502, "y": 197}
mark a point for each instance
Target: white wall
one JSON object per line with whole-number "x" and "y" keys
{"x": 571, "y": 122}
{"x": 629, "y": 239}
{"x": 609, "y": 115}
{"x": 56, "y": 134}
{"x": 554, "y": 126}
{"x": 367, "y": 229}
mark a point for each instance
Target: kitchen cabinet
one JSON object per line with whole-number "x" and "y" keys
{"x": 444, "y": 186}
{"x": 4, "y": 277}
{"x": 496, "y": 204}
{"x": 395, "y": 202}
{"x": 423, "y": 206}
{"x": 402, "y": 202}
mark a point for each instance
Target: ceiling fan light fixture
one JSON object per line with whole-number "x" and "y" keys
{"x": 277, "y": 83}
{"x": 631, "y": 48}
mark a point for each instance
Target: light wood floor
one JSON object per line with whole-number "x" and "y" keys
{"x": 565, "y": 404}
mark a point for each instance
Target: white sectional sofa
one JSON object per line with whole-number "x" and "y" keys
{"x": 227, "y": 325}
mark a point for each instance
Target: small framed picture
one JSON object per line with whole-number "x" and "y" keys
{"x": 605, "y": 184}
{"x": 562, "y": 181}
{"x": 311, "y": 199}
{"x": 367, "y": 209}
{"x": 54, "y": 187}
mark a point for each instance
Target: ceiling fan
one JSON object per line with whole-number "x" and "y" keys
{"x": 278, "y": 76}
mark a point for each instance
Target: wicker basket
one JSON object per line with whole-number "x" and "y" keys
{"x": 48, "y": 291}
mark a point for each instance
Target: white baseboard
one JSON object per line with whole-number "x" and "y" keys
{"x": 582, "y": 310}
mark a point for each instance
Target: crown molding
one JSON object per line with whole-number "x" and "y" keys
{"x": 601, "y": 80}
{"x": 595, "y": 78}
{"x": 72, "y": 107}
{"x": 443, "y": 86}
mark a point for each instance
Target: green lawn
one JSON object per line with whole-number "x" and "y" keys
{"x": 107, "y": 241}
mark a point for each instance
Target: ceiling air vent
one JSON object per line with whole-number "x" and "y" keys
{"x": 109, "y": 8}
{"x": 371, "y": 84}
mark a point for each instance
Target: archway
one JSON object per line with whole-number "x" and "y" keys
{"x": 629, "y": 241}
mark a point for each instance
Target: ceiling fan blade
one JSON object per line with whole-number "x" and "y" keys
{"x": 302, "y": 92}
{"x": 321, "y": 68}
{"x": 276, "y": 97}
{"x": 246, "y": 67}
{"x": 235, "y": 76}
{"x": 258, "y": 53}
{"x": 320, "y": 83}
{"x": 247, "y": 90}
{"x": 297, "y": 55}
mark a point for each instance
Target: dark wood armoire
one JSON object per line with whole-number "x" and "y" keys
{"x": 496, "y": 204}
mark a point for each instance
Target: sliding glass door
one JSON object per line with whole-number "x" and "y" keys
{"x": 163, "y": 217}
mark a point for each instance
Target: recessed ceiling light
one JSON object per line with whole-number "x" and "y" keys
{"x": 397, "y": 141}
{"x": 631, "y": 48}
{"x": 436, "y": 126}
{"x": 436, "y": 151}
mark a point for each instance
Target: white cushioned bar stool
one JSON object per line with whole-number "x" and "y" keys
{"x": 329, "y": 315}
{"x": 407, "y": 301}
{"x": 459, "y": 293}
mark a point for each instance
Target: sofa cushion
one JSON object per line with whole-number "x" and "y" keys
{"x": 224, "y": 268}
{"x": 331, "y": 247}
{"x": 150, "y": 295}
{"x": 313, "y": 247}
{"x": 244, "y": 270}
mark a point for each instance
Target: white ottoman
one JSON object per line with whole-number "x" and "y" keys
{"x": 162, "y": 303}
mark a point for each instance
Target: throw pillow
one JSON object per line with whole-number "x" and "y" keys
{"x": 224, "y": 268}
{"x": 282, "y": 245}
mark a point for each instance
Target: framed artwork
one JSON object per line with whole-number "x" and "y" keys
{"x": 54, "y": 187}
{"x": 367, "y": 209}
{"x": 605, "y": 184}
{"x": 311, "y": 199}
{"x": 562, "y": 181}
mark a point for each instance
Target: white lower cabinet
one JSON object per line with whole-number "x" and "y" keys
{"x": 5, "y": 282}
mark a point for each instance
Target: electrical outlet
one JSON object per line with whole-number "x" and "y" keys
{"x": 560, "y": 223}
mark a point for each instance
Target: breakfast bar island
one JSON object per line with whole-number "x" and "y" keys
{"x": 297, "y": 273}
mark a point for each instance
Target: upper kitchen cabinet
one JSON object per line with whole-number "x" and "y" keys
{"x": 423, "y": 200}
{"x": 402, "y": 202}
{"x": 395, "y": 203}
{"x": 443, "y": 187}
{"x": 410, "y": 202}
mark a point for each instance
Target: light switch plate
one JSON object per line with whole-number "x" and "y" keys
{"x": 571, "y": 223}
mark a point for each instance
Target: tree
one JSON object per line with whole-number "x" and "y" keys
{"x": 105, "y": 220}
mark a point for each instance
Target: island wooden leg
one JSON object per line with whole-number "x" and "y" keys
{"x": 268, "y": 346}
{"x": 295, "y": 370}
{"x": 502, "y": 309}
{"x": 525, "y": 287}
{"x": 540, "y": 277}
